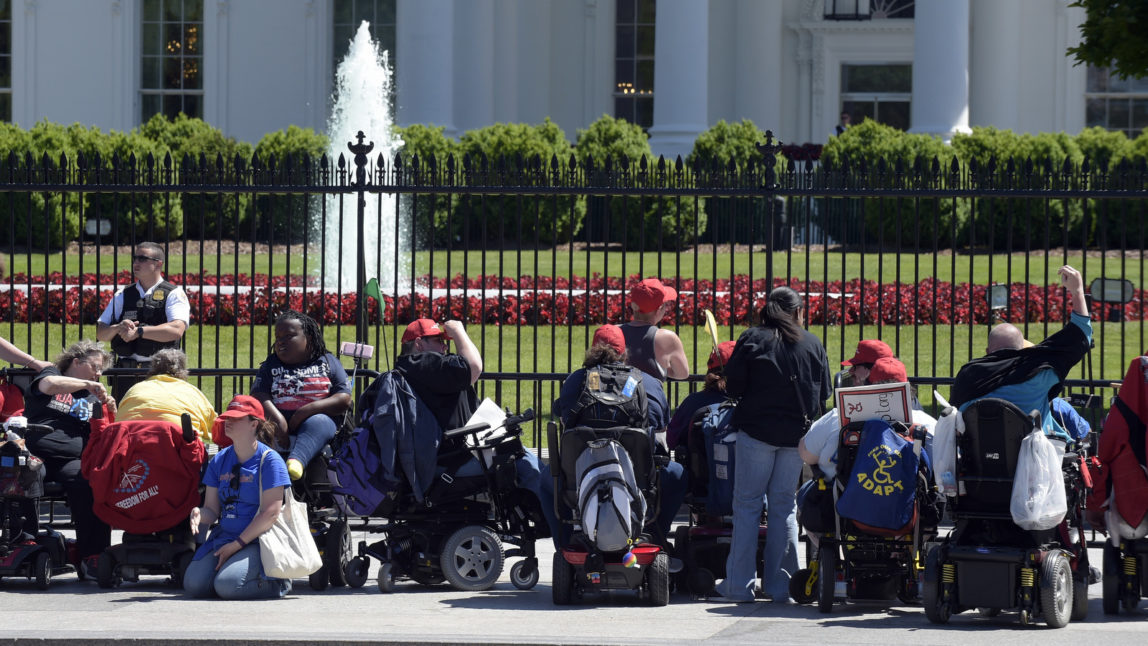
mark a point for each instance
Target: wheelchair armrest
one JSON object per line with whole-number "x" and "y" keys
{"x": 514, "y": 422}
{"x": 188, "y": 429}
{"x": 466, "y": 430}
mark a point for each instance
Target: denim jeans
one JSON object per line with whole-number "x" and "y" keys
{"x": 315, "y": 432}
{"x": 535, "y": 477}
{"x": 673, "y": 483}
{"x": 241, "y": 577}
{"x": 772, "y": 471}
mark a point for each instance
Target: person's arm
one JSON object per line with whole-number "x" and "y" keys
{"x": 737, "y": 368}
{"x": 465, "y": 348}
{"x": 12, "y": 354}
{"x": 106, "y": 330}
{"x": 1074, "y": 286}
{"x": 271, "y": 503}
{"x": 568, "y": 395}
{"x": 59, "y": 384}
{"x": 164, "y": 332}
{"x": 332, "y": 406}
{"x": 807, "y": 456}
{"x": 275, "y": 417}
{"x": 208, "y": 513}
{"x": 177, "y": 309}
{"x": 669, "y": 345}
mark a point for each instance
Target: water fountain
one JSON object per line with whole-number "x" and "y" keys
{"x": 362, "y": 102}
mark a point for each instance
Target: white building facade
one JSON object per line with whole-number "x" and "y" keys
{"x": 676, "y": 66}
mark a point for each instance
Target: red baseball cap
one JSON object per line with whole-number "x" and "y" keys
{"x": 612, "y": 336}
{"x": 887, "y": 369}
{"x": 420, "y": 328}
{"x": 869, "y": 351}
{"x": 720, "y": 356}
{"x": 649, "y": 294}
{"x": 242, "y": 406}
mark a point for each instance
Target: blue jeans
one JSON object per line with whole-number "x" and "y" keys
{"x": 311, "y": 436}
{"x": 772, "y": 471}
{"x": 535, "y": 477}
{"x": 241, "y": 577}
{"x": 673, "y": 483}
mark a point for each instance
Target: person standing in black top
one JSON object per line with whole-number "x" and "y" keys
{"x": 779, "y": 374}
{"x": 144, "y": 317}
{"x": 656, "y": 352}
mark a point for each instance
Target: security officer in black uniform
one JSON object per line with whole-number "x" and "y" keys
{"x": 143, "y": 318}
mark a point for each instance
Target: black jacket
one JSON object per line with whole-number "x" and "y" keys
{"x": 758, "y": 375}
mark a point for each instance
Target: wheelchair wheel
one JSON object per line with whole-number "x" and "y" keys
{"x": 1056, "y": 590}
{"x": 827, "y": 576}
{"x": 658, "y": 580}
{"x": 524, "y": 574}
{"x": 701, "y": 581}
{"x": 1079, "y": 600}
{"x": 182, "y": 562}
{"x": 338, "y": 553}
{"x": 1110, "y": 581}
{"x": 562, "y": 581}
{"x": 357, "y": 571}
{"x": 106, "y": 571}
{"x": 937, "y": 608}
{"x": 803, "y": 586}
{"x": 472, "y": 558}
{"x": 319, "y": 579}
{"x": 42, "y": 569}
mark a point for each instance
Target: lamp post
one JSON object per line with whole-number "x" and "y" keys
{"x": 360, "y": 150}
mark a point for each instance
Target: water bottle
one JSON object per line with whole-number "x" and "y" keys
{"x": 14, "y": 424}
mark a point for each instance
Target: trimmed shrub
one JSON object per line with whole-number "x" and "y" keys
{"x": 289, "y": 156}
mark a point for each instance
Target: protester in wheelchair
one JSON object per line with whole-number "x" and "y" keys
{"x": 304, "y": 389}
{"x": 63, "y": 403}
{"x": 165, "y": 395}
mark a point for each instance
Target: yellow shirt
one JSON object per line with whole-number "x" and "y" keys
{"x": 166, "y": 398}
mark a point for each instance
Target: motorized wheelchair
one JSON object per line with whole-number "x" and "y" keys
{"x": 855, "y": 560}
{"x": 27, "y": 549}
{"x": 457, "y": 532}
{"x": 145, "y": 478}
{"x": 703, "y": 543}
{"x": 579, "y": 567}
{"x": 988, "y": 561}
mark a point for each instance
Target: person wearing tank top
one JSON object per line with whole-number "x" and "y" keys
{"x": 657, "y": 352}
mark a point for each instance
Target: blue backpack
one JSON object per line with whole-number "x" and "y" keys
{"x": 720, "y": 439}
{"x": 880, "y": 492}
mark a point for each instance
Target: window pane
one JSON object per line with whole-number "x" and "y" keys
{"x": 625, "y": 12}
{"x": 172, "y": 40}
{"x": 5, "y": 37}
{"x": 1094, "y": 113}
{"x": 149, "y": 107}
{"x": 173, "y": 10}
{"x": 644, "y": 112}
{"x": 646, "y": 41}
{"x": 193, "y": 105}
{"x": 5, "y": 10}
{"x": 5, "y": 107}
{"x": 151, "y": 40}
{"x": 151, "y": 9}
{"x": 193, "y": 10}
{"x": 172, "y": 74}
{"x": 191, "y": 76}
{"x": 387, "y": 10}
{"x": 1097, "y": 79}
{"x": 624, "y": 46}
{"x": 624, "y": 108}
{"x": 191, "y": 39}
{"x": 1119, "y": 114}
{"x": 5, "y": 71}
{"x": 647, "y": 10}
{"x": 894, "y": 113}
{"x": 1139, "y": 113}
{"x": 342, "y": 11}
{"x": 645, "y": 76}
{"x": 624, "y": 72}
{"x": 149, "y": 73}
{"x": 859, "y": 110}
{"x": 876, "y": 78}
{"x": 172, "y": 105}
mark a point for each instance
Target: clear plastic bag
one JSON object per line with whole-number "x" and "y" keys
{"x": 1038, "y": 498}
{"x": 944, "y": 457}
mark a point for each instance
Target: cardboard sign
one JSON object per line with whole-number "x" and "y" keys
{"x": 890, "y": 402}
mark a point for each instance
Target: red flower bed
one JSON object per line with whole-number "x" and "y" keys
{"x": 560, "y": 301}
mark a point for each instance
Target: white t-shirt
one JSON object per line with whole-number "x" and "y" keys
{"x": 177, "y": 307}
{"x": 821, "y": 439}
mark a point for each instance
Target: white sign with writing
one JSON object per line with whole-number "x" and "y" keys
{"x": 890, "y": 402}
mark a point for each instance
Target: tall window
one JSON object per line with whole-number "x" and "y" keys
{"x": 880, "y": 92}
{"x": 1115, "y": 103}
{"x": 171, "y": 70}
{"x": 634, "y": 61}
{"x": 350, "y": 13}
{"x": 5, "y": 60}
{"x": 868, "y": 9}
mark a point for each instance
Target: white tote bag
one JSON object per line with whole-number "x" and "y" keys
{"x": 288, "y": 550}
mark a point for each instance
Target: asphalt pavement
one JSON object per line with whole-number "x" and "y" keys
{"x": 153, "y": 612}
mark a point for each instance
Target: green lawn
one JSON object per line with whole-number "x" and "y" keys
{"x": 703, "y": 263}
{"x": 507, "y": 350}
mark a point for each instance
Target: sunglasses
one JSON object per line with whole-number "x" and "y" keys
{"x": 144, "y": 259}
{"x": 233, "y": 486}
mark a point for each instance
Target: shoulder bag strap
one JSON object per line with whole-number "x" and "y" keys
{"x": 792, "y": 378}
{"x": 260, "y": 477}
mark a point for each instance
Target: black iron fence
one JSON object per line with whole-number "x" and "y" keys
{"x": 533, "y": 254}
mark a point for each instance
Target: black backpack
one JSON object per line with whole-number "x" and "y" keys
{"x": 612, "y": 395}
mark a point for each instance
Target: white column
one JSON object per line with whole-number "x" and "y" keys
{"x": 995, "y": 64}
{"x": 758, "y": 63}
{"x": 941, "y": 67}
{"x": 474, "y": 64}
{"x": 424, "y": 90}
{"x": 681, "y": 76}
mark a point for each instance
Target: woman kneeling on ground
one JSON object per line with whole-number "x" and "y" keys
{"x": 228, "y": 563}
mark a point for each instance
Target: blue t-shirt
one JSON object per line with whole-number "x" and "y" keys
{"x": 293, "y": 386}
{"x": 239, "y": 501}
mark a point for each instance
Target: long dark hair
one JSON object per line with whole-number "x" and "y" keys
{"x": 311, "y": 330}
{"x": 780, "y": 312}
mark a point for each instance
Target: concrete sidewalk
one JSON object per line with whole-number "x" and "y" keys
{"x": 152, "y": 612}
